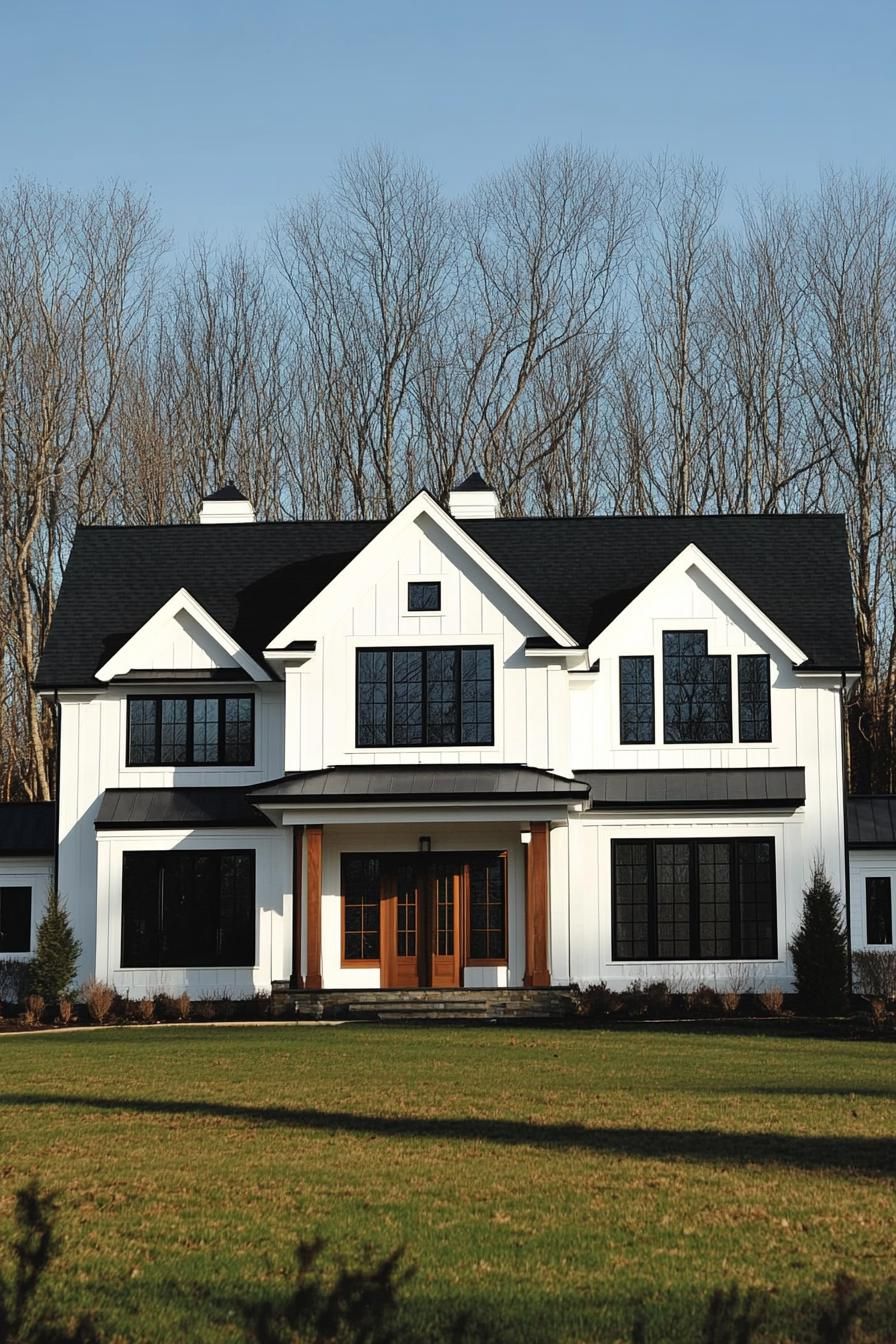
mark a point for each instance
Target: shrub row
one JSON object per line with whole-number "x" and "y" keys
{"x": 657, "y": 999}
{"x": 99, "y": 1004}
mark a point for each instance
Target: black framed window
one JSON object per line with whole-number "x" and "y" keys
{"x": 361, "y": 908}
{"x": 694, "y": 900}
{"x": 488, "y": 909}
{"x": 636, "y": 713}
{"x": 754, "y": 697}
{"x": 696, "y": 689}
{"x": 424, "y": 596}
{"x": 15, "y": 919}
{"x": 188, "y": 908}
{"x": 878, "y": 910}
{"x": 191, "y": 730}
{"x": 434, "y": 697}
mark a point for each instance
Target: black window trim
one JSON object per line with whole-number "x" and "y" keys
{"x": 692, "y": 842}
{"x": 422, "y": 649}
{"x": 189, "y": 763}
{"x": 753, "y": 741}
{"x": 193, "y": 966}
{"x": 631, "y": 742}
{"x": 20, "y": 951}
{"x": 878, "y": 877}
{"x": 424, "y": 611}
{"x": 709, "y": 742}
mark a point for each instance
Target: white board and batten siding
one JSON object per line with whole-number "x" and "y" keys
{"x": 865, "y": 863}
{"x": 36, "y": 873}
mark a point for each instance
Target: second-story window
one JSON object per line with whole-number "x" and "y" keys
{"x": 191, "y": 730}
{"x": 754, "y": 697}
{"x": 636, "y": 699}
{"x": 696, "y": 689}
{"x": 434, "y": 697}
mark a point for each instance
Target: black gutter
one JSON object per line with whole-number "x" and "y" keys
{"x": 57, "y": 715}
{"x": 844, "y": 752}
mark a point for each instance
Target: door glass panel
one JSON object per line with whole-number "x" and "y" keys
{"x": 406, "y": 913}
{"x": 444, "y": 900}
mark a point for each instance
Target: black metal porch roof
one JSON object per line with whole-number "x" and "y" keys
{"x": 420, "y": 783}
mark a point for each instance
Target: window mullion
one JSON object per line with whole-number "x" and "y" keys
{"x": 424, "y": 694}
{"x": 694, "y": 897}
{"x": 734, "y": 889}
{"x": 158, "y": 712}
{"x": 222, "y": 730}
{"x": 390, "y": 687}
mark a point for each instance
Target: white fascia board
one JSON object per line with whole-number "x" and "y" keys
{"x": 181, "y": 601}
{"x": 407, "y": 815}
{"x": 693, "y": 558}
{"x": 308, "y": 622}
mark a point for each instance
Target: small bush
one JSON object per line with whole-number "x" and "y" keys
{"x": 142, "y": 1010}
{"x": 596, "y": 1001}
{"x": 34, "y": 1010}
{"x": 704, "y": 1002}
{"x": 182, "y": 1003}
{"x": 730, "y": 1001}
{"x": 14, "y": 975}
{"x": 771, "y": 1001}
{"x": 878, "y": 1010}
{"x": 205, "y": 1009}
{"x": 166, "y": 1008}
{"x": 66, "y": 1011}
{"x": 874, "y": 975}
{"x": 98, "y": 998}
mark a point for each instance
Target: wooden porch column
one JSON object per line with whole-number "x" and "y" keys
{"x": 313, "y": 848}
{"x": 295, "y": 979}
{"x": 537, "y": 975}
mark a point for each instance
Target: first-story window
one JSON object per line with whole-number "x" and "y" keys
{"x": 878, "y": 911}
{"x": 677, "y": 900}
{"x": 488, "y": 909}
{"x": 191, "y": 730}
{"x": 15, "y": 919}
{"x": 361, "y": 907}
{"x": 433, "y": 697}
{"x": 188, "y": 908}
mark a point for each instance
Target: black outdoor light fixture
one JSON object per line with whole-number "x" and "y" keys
{"x": 425, "y": 844}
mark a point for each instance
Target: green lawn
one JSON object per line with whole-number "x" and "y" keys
{"x": 553, "y": 1181}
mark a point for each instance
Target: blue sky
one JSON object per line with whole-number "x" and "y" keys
{"x": 223, "y": 111}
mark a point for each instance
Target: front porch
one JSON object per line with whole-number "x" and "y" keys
{"x": 422, "y": 880}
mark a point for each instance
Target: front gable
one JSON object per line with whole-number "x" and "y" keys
{"x": 693, "y": 587}
{"x": 180, "y": 636}
{"x": 440, "y": 544}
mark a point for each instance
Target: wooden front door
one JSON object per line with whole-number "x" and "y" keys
{"x": 421, "y": 926}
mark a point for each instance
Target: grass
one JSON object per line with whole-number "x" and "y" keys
{"x": 551, "y": 1182}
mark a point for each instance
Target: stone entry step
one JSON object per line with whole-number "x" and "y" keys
{"x": 425, "y": 1005}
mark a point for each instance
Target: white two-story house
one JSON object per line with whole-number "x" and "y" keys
{"x": 450, "y": 749}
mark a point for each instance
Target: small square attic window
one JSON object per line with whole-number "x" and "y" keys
{"x": 424, "y": 597}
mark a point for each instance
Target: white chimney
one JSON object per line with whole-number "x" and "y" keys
{"x": 226, "y": 505}
{"x": 473, "y": 499}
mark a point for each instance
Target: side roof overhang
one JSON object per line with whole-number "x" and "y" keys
{"x": 27, "y": 830}
{"x": 871, "y": 821}
{"x": 176, "y": 809}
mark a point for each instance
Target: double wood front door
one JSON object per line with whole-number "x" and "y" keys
{"x": 421, "y": 899}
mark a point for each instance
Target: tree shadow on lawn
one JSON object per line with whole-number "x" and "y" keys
{"x": 824, "y": 1152}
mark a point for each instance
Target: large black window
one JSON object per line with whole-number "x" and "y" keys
{"x": 878, "y": 910}
{"x": 435, "y": 697}
{"x": 754, "y": 698}
{"x": 188, "y": 908}
{"x": 191, "y": 730}
{"x": 636, "y": 699}
{"x": 696, "y": 689}
{"x": 15, "y": 919}
{"x": 694, "y": 900}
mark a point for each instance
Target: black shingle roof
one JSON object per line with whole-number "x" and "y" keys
{"x": 27, "y": 828}
{"x": 871, "y": 821}
{"x": 253, "y": 578}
